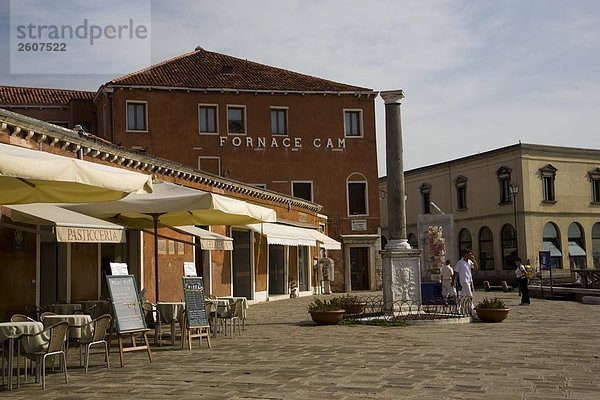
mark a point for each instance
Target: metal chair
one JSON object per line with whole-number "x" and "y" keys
{"x": 229, "y": 314}
{"x": 21, "y": 318}
{"x": 99, "y": 331}
{"x": 42, "y": 315}
{"x": 49, "y": 342}
{"x": 153, "y": 320}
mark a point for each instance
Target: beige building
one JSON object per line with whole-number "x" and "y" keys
{"x": 556, "y": 207}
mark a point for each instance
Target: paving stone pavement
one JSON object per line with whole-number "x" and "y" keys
{"x": 550, "y": 350}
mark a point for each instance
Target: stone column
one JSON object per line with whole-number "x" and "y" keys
{"x": 401, "y": 264}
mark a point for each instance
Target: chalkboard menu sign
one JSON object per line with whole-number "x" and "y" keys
{"x": 193, "y": 292}
{"x": 126, "y": 303}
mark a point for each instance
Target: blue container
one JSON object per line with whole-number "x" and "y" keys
{"x": 431, "y": 293}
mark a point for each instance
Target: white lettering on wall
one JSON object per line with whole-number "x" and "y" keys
{"x": 286, "y": 142}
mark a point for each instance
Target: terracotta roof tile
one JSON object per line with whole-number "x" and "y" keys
{"x": 208, "y": 70}
{"x": 10, "y": 95}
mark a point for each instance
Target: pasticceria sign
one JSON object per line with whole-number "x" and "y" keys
{"x": 281, "y": 142}
{"x": 89, "y": 235}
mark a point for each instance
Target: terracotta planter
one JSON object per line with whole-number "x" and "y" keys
{"x": 327, "y": 317}
{"x": 492, "y": 314}
{"x": 355, "y": 308}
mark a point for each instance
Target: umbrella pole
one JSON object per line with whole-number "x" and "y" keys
{"x": 155, "y": 222}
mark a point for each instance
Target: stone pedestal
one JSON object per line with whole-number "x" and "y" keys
{"x": 401, "y": 275}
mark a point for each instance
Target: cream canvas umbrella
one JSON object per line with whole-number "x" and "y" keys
{"x": 30, "y": 176}
{"x": 173, "y": 205}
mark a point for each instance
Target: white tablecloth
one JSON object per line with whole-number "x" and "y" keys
{"x": 233, "y": 299}
{"x": 14, "y": 330}
{"x": 76, "y": 321}
{"x": 64, "y": 308}
{"x": 171, "y": 311}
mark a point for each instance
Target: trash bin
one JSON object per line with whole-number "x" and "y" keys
{"x": 431, "y": 293}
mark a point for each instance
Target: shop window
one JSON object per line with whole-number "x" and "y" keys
{"x": 137, "y": 116}
{"x": 577, "y": 254}
{"x": 207, "y": 115}
{"x": 551, "y": 243}
{"x": 595, "y": 180}
{"x": 508, "y": 237}
{"x": 548, "y": 174}
{"x": 353, "y": 123}
{"x": 486, "y": 248}
{"x": 426, "y": 197}
{"x": 503, "y": 174}
{"x": 461, "y": 192}
{"x": 236, "y": 120}
{"x": 303, "y": 190}
{"x": 279, "y": 120}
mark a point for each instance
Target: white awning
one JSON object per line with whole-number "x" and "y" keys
{"x": 292, "y": 235}
{"x": 208, "y": 240}
{"x": 31, "y": 176}
{"x": 576, "y": 250}
{"x": 326, "y": 242}
{"x": 70, "y": 226}
{"x": 554, "y": 251}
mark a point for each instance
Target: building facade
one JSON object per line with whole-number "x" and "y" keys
{"x": 39, "y": 268}
{"x": 273, "y": 129}
{"x": 555, "y": 208}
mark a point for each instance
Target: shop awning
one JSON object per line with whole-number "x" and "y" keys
{"x": 208, "y": 240}
{"x": 554, "y": 251}
{"x": 326, "y": 242}
{"x": 31, "y": 176}
{"x": 70, "y": 226}
{"x": 292, "y": 235}
{"x": 576, "y": 250}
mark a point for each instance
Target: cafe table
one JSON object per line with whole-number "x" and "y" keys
{"x": 77, "y": 323}
{"x": 66, "y": 308}
{"x": 171, "y": 312}
{"x": 11, "y": 331}
{"x": 212, "y": 305}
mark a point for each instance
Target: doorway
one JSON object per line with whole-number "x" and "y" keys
{"x": 359, "y": 268}
{"x": 242, "y": 257}
{"x": 303, "y": 277}
{"x": 53, "y": 273}
{"x": 277, "y": 279}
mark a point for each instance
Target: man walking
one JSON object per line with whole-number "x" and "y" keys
{"x": 447, "y": 278}
{"x": 464, "y": 267}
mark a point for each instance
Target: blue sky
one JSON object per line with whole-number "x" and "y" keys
{"x": 477, "y": 74}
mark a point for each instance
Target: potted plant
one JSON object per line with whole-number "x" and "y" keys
{"x": 353, "y": 304}
{"x": 491, "y": 310}
{"x": 326, "y": 312}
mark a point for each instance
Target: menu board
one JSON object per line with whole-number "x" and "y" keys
{"x": 126, "y": 303}
{"x": 193, "y": 293}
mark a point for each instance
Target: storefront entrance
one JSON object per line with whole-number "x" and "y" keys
{"x": 359, "y": 268}
{"x": 242, "y": 271}
{"x": 277, "y": 280}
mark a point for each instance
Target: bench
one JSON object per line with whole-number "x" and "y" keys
{"x": 504, "y": 287}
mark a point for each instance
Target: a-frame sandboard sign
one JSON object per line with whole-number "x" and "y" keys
{"x": 196, "y": 323}
{"x": 128, "y": 312}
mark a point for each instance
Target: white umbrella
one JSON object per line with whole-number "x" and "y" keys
{"x": 173, "y": 205}
{"x": 30, "y": 176}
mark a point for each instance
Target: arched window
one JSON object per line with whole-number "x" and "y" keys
{"x": 509, "y": 246}
{"x": 464, "y": 241}
{"x": 356, "y": 186}
{"x": 551, "y": 243}
{"x": 577, "y": 255}
{"x": 486, "y": 248}
{"x": 412, "y": 240}
{"x": 596, "y": 245}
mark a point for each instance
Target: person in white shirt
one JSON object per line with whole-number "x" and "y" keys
{"x": 447, "y": 278}
{"x": 521, "y": 274}
{"x": 464, "y": 267}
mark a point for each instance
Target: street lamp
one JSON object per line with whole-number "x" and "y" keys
{"x": 514, "y": 190}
